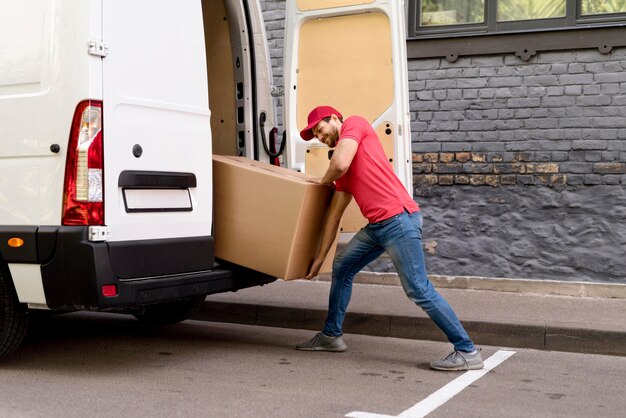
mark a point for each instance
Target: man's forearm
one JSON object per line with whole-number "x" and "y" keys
{"x": 333, "y": 173}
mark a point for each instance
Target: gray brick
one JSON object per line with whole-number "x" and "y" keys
{"x": 589, "y": 145}
{"x": 610, "y": 156}
{"x": 541, "y": 123}
{"x": 611, "y": 179}
{"x": 444, "y": 126}
{"x": 475, "y": 125}
{"x": 575, "y": 112}
{"x": 486, "y": 61}
{"x": 558, "y": 68}
{"x": 576, "y": 167}
{"x": 593, "y": 156}
{"x": 424, "y": 105}
{"x": 609, "y": 122}
{"x": 555, "y": 91}
{"x": 575, "y": 179}
{"x": 482, "y": 136}
{"x": 543, "y": 156}
{"x": 453, "y": 115}
{"x": 575, "y": 123}
{"x": 527, "y": 113}
{"x": 504, "y": 82}
{"x": 556, "y": 57}
{"x": 425, "y": 95}
{"x": 593, "y": 100}
{"x": 610, "y": 88}
{"x": 472, "y": 83}
{"x": 592, "y": 179}
{"x": 549, "y": 145}
{"x": 518, "y": 146}
{"x": 576, "y": 68}
{"x": 456, "y": 104}
{"x": 419, "y": 126}
{"x": 573, "y": 90}
{"x": 610, "y": 77}
{"x": 576, "y": 79}
{"x": 618, "y": 101}
{"x": 456, "y": 146}
{"x": 488, "y": 147}
{"x": 556, "y": 112}
{"x": 558, "y": 156}
{"x": 425, "y": 147}
{"x": 424, "y": 64}
{"x": 425, "y": 116}
{"x": 487, "y": 93}
{"x": 440, "y": 95}
{"x": 601, "y": 111}
{"x": 617, "y": 145}
{"x": 559, "y": 101}
{"x": 455, "y": 94}
{"x": 486, "y": 72}
{"x": 540, "y": 80}
{"x": 592, "y": 89}
{"x": 470, "y": 94}
{"x": 417, "y": 85}
{"x": 529, "y": 102}
{"x": 441, "y": 84}
{"x": 589, "y": 56}
{"x": 507, "y": 124}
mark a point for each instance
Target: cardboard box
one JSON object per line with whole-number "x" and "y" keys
{"x": 268, "y": 218}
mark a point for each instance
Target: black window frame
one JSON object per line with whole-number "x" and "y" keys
{"x": 573, "y": 19}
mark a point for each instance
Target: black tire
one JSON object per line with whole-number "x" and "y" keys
{"x": 170, "y": 313}
{"x": 13, "y": 317}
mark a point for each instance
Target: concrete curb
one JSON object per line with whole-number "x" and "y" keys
{"x": 542, "y": 287}
{"x": 540, "y": 336}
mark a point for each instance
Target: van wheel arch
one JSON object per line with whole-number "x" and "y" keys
{"x": 13, "y": 315}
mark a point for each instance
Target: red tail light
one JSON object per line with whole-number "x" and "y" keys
{"x": 83, "y": 193}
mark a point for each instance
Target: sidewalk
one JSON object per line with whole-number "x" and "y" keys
{"x": 501, "y": 318}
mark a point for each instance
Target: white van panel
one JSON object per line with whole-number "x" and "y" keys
{"x": 28, "y": 284}
{"x": 157, "y": 100}
{"x": 45, "y": 71}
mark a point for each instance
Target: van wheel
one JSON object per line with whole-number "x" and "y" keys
{"x": 13, "y": 318}
{"x": 170, "y": 313}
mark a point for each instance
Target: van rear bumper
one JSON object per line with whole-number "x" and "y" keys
{"x": 144, "y": 271}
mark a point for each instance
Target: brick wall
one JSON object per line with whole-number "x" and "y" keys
{"x": 557, "y": 119}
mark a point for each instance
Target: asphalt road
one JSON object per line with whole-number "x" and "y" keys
{"x": 100, "y": 365}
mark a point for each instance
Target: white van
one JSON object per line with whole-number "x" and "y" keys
{"x": 110, "y": 111}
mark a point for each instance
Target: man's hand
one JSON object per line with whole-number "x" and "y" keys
{"x": 315, "y": 268}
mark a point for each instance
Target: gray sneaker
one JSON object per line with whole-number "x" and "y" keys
{"x": 459, "y": 360}
{"x": 323, "y": 342}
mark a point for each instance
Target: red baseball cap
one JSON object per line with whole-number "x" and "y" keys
{"x": 315, "y": 117}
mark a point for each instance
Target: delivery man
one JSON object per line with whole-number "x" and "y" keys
{"x": 359, "y": 168}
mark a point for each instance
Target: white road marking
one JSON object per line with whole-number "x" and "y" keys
{"x": 443, "y": 395}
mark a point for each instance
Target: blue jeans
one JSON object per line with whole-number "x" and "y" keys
{"x": 401, "y": 237}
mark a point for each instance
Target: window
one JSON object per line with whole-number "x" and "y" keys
{"x": 443, "y": 17}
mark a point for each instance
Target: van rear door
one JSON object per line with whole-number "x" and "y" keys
{"x": 350, "y": 54}
{"x": 157, "y": 136}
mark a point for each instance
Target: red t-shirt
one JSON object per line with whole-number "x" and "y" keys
{"x": 370, "y": 178}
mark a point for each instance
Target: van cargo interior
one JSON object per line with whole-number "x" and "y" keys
{"x": 228, "y": 59}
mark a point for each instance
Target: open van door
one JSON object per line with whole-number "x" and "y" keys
{"x": 157, "y": 145}
{"x": 349, "y": 54}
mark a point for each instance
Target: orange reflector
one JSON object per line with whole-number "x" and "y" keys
{"x": 109, "y": 290}
{"x": 15, "y": 242}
